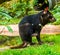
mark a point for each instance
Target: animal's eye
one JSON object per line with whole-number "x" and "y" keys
{"x": 48, "y": 15}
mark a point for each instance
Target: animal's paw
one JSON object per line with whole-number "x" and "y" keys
{"x": 20, "y": 46}
{"x": 40, "y": 43}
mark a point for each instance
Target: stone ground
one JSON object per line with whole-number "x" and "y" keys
{"x": 47, "y": 29}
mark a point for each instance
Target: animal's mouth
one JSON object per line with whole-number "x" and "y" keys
{"x": 52, "y": 20}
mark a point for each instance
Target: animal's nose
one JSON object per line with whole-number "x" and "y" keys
{"x": 54, "y": 19}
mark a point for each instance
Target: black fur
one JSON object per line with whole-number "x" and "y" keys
{"x": 33, "y": 24}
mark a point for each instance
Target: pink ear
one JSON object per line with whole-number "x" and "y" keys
{"x": 45, "y": 10}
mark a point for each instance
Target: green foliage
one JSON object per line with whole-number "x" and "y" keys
{"x": 56, "y": 13}
{"x": 35, "y": 2}
{"x": 11, "y": 21}
{"x": 9, "y": 28}
{"x": 21, "y": 8}
{"x": 4, "y": 14}
{"x": 17, "y": 9}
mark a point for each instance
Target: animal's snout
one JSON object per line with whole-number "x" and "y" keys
{"x": 52, "y": 20}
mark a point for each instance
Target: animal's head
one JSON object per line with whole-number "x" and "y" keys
{"x": 48, "y": 17}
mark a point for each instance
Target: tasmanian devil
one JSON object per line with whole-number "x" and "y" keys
{"x": 33, "y": 24}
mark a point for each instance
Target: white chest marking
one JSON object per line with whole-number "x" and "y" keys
{"x": 39, "y": 24}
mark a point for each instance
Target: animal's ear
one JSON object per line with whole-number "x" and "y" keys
{"x": 45, "y": 10}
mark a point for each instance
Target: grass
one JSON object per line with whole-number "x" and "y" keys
{"x": 33, "y": 50}
{"x": 51, "y": 46}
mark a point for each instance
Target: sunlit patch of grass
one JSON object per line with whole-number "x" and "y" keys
{"x": 51, "y": 38}
{"x": 44, "y": 49}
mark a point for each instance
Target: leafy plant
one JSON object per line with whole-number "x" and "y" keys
{"x": 56, "y": 13}
{"x": 35, "y": 2}
{"x": 4, "y": 14}
{"x": 9, "y": 28}
{"x": 21, "y": 8}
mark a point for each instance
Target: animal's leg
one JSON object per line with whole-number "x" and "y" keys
{"x": 38, "y": 38}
